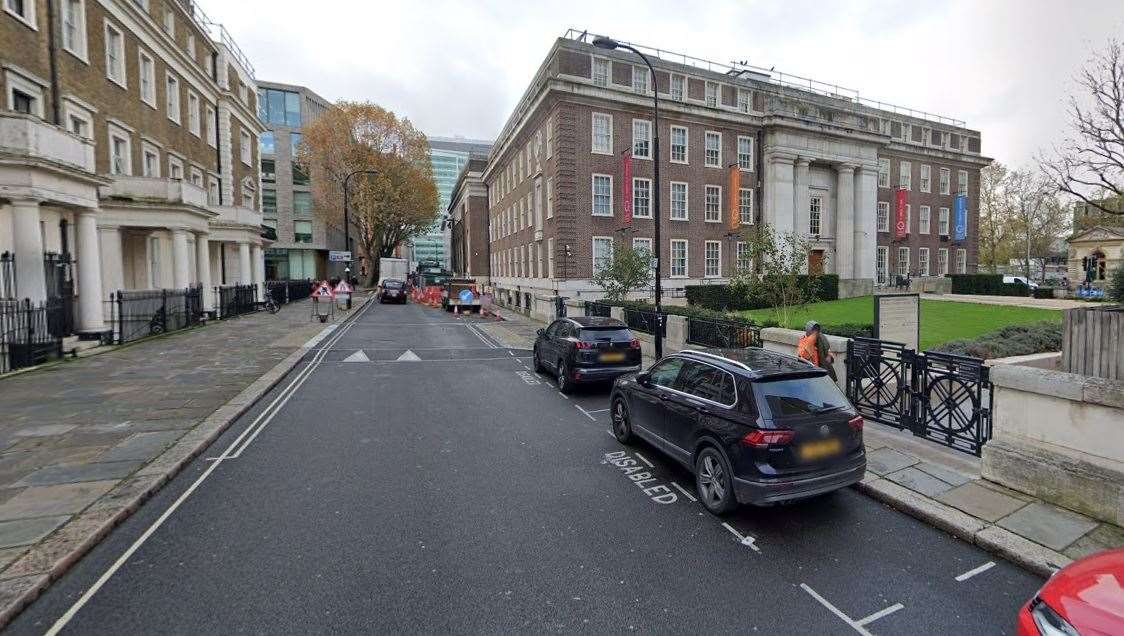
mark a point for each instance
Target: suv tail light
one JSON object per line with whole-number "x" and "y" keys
{"x": 856, "y": 423}
{"x": 583, "y": 344}
{"x": 634, "y": 343}
{"x": 763, "y": 438}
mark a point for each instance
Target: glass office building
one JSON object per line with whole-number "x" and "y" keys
{"x": 448, "y": 156}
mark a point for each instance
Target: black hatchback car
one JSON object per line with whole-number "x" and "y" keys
{"x": 586, "y": 349}
{"x": 392, "y": 291}
{"x": 754, "y": 426}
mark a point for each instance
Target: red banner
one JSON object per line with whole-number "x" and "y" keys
{"x": 626, "y": 186}
{"x": 901, "y": 227}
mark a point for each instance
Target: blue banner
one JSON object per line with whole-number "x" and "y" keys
{"x": 961, "y": 230}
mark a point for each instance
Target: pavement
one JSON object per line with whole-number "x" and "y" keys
{"x": 83, "y": 442}
{"x": 1013, "y": 301}
{"x": 412, "y": 474}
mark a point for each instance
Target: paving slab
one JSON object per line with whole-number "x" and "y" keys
{"x": 74, "y": 473}
{"x": 1048, "y": 525}
{"x": 45, "y": 430}
{"x": 141, "y": 446}
{"x": 919, "y": 481}
{"x": 24, "y": 531}
{"x": 888, "y": 460}
{"x": 947, "y": 475}
{"x": 980, "y": 501}
{"x": 1103, "y": 537}
{"x": 61, "y": 499}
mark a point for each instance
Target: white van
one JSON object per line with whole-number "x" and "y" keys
{"x": 1020, "y": 279}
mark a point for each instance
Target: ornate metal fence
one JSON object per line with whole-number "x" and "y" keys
{"x": 139, "y": 314}
{"x": 645, "y": 321}
{"x": 7, "y": 276}
{"x": 722, "y": 334}
{"x": 943, "y": 397}
{"x": 235, "y": 300}
{"x": 26, "y": 337}
{"x": 289, "y": 291}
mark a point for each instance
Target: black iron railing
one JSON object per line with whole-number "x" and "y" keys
{"x": 593, "y": 308}
{"x": 26, "y": 334}
{"x": 235, "y": 300}
{"x": 722, "y": 334}
{"x": 7, "y": 276}
{"x": 645, "y": 321}
{"x": 289, "y": 291}
{"x": 139, "y": 314}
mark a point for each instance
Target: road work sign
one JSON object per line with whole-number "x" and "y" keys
{"x": 323, "y": 290}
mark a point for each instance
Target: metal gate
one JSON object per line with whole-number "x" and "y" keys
{"x": 942, "y": 397}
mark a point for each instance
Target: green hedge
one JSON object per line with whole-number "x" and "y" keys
{"x": 1013, "y": 340}
{"x": 1043, "y": 292}
{"x": 846, "y": 330}
{"x": 726, "y": 298}
{"x": 987, "y": 285}
{"x": 849, "y": 330}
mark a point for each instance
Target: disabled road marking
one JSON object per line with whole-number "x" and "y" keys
{"x": 974, "y": 571}
{"x": 744, "y": 539}
{"x": 858, "y": 625}
{"x": 658, "y": 493}
{"x": 528, "y": 377}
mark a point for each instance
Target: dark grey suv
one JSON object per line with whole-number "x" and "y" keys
{"x": 754, "y": 426}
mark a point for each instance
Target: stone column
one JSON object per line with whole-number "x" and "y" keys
{"x": 31, "y": 279}
{"x": 258, "y": 266}
{"x": 91, "y": 317}
{"x": 181, "y": 270}
{"x": 845, "y": 221}
{"x": 112, "y": 260}
{"x": 245, "y": 267}
{"x": 203, "y": 268}
{"x": 779, "y": 191}
{"x": 800, "y": 198}
{"x": 866, "y": 222}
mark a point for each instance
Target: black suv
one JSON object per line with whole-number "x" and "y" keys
{"x": 392, "y": 291}
{"x": 754, "y": 426}
{"x": 586, "y": 349}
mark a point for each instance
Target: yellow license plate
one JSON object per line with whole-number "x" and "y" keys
{"x": 811, "y": 451}
{"x": 612, "y": 357}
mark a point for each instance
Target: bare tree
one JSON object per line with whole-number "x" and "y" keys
{"x": 996, "y": 215}
{"x": 1038, "y": 216}
{"x": 1090, "y": 164}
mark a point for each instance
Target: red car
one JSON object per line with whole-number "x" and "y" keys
{"x": 1085, "y": 598}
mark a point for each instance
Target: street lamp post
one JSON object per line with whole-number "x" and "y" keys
{"x": 610, "y": 44}
{"x": 347, "y": 227}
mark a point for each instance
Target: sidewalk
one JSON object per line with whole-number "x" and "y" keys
{"x": 943, "y": 488}
{"x": 1013, "y": 301}
{"x": 83, "y": 443}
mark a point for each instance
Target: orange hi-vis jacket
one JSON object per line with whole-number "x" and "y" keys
{"x": 806, "y": 349}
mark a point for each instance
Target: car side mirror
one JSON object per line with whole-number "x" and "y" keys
{"x": 540, "y": 332}
{"x": 644, "y": 379}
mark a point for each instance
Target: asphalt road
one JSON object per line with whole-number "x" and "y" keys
{"x": 441, "y": 486}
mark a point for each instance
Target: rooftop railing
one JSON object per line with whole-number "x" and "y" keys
{"x": 218, "y": 33}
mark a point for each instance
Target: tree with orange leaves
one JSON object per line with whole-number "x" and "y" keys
{"x": 395, "y": 204}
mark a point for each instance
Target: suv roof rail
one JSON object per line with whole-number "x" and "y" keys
{"x": 716, "y": 356}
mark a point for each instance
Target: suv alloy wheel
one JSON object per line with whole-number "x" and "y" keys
{"x": 713, "y": 481}
{"x": 622, "y": 428}
{"x": 564, "y": 385}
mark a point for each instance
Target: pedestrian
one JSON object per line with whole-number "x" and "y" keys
{"x": 815, "y": 348}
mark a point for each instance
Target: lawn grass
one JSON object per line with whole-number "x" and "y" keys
{"x": 941, "y": 320}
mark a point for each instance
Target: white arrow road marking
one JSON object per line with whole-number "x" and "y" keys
{"x": 409, "y": 356}
{"x": 358, "y": 356}
{"x": 744, "y": 539}
{"x": 970, "y": 573}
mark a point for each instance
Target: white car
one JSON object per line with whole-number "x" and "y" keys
{"x": 1020, "y": 279}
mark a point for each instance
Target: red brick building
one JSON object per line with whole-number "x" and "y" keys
{"x": 808, "y": 158}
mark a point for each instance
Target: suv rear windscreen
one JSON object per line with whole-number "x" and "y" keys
{"x": 796, "y": 397}
{"x": 614, "y": 334}
{"x": 392, "y": 284}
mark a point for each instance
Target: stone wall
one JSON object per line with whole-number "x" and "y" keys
{"x": 1060, "y": 437}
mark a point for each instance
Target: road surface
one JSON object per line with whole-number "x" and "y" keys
{"x": 410, "y": 475}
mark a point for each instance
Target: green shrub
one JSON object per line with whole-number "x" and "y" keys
{"x": 986, "y": 284}
{"x": 1012, "y": 340}
{"x": 849, "y": 330}
{"x": 728, "y": 298}
{"x": 1115, "y": 289}
{"x": 1043, "y": 292}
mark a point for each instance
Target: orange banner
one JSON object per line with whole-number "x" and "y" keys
{"x": 733, "y": 188}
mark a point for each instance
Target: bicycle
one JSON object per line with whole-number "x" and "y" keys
{"x": 269, "y": 304}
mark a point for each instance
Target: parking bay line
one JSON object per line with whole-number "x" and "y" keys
{"x": 974, "y": 571}
{"x": 743, "y": 539}
{"x": 586, "y": 413}
{"x": 859, "y": 625}
{"x": 686, "y": 493}
{"x": 642, "y": 458}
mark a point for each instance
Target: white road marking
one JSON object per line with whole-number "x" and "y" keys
{"x": 409, "y": 356}
{"x": 974, "y": 571}
{"x": 476, "y": 331}
{"x": 85, "y": 598}
{"x": 642, "y": 458}
{"x": 585, "y": 412}
{"x": 743, "y": 539}
{"x": 315, "y": 340}
{"x": 879, "y": 614}
{"x": 686, "y": 493}
{"x": 358, "y": 356}
{"x": 566, "y": 397}
{"x": 859, "y": 625}
{"x": 611, "y": 434}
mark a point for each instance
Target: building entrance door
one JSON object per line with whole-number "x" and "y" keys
{"x": 815, "y": 262}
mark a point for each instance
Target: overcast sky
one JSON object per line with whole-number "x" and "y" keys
{"x": 458, "y": 68}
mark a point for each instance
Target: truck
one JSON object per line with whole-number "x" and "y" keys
{"x": 432, "y": 273}
{"x": 394, "y": 268}
{"x": 460, "y": 294}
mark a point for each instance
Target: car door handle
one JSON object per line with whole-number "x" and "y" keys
{"x": 699, "y": 407}
{"x": 663, "y": 396}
